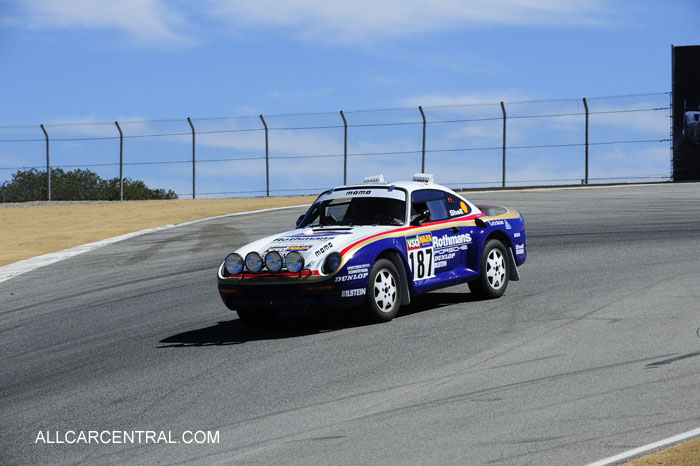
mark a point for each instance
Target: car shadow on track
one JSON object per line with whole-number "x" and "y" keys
{"x": 297, "y": 324}
{"x": 287, "y": 325}
{"x": 436, "y": 299}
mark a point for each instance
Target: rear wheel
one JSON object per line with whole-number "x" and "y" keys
{"x": 495, "y": 270}
{"x": 383, "y": 292}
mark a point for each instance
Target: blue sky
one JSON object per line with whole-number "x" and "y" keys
{"x": 99, "y": 61}
{"x": 64, "y": 59}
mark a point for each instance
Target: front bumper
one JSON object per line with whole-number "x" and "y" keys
{"x": 281, "y": 296}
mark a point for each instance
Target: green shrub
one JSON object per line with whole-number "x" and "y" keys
{"x": 75, "y": 185}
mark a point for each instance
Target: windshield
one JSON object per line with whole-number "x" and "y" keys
{"x": 351, "y": 211}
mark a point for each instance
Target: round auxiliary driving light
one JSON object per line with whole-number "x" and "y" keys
{"x": 332, "y": 263}
{"x": 273, "y": 261}
{"x": 294, "y": 262}
{"x": 233, "y": 264}
{"x": 253, "y": 262}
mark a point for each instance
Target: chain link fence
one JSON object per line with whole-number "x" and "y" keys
{"x": 601, "y": 140}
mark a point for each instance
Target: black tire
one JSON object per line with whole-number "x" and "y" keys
{"x": 383, "y": 298}
{"x": 495, "y": 270}
{"x": 258, "y": 318}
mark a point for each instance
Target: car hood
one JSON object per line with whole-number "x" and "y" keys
{"x": 313, "y": 244}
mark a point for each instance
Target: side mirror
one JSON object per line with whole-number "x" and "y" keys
{"x": 418, "y": 218}
{"x": 301, "y": 217}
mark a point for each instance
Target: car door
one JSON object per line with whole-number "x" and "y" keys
{"x": 436, "y": 248}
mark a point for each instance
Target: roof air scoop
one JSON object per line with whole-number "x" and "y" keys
{"x": 423, "y": 178}
{"x": 374, "y": 179}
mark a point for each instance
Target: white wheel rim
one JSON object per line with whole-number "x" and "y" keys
{"x": 385, "y": 290}
{"x": 496, "y": 269}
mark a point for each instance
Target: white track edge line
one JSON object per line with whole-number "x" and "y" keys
{"x": 27, "y": 265}
{"x": 646, "y": 448}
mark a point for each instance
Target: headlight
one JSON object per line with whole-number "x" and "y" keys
{"x": 332, "y": 263}
{"x": 294, "y": 262}
{"x": 273, "y": 261}
{"x": 253, "y": 262}
{"x": 233, "y": 264}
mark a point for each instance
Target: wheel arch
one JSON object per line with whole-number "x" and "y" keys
{"x": 508, "y": 243}
{"x": 395, "y": 256}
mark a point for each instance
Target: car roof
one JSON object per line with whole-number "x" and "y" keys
{"x": 409, "y": 186}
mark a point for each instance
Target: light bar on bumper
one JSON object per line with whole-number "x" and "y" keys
{"x": 294, "y": 261}
{"x": 233, "y": 264}
{"x": 273, "y": 261}
{"x": 253, "y": 262}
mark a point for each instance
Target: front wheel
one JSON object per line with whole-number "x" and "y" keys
{"x": 495, "y": 270}
{"x": 383, "y": 292}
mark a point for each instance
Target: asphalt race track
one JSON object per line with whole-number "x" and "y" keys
{"x": 594, "y": 352}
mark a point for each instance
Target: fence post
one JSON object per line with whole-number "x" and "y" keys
{"x": 267, "y": 157}
{"x": 121, "y": 162}
{"x": 422, "y": 167}
{"x": 345, "y": 149}
{"x": 194, "y": 160}
{"x": 48, "y": 164}
{"x": 503, "y": 109}
{"x": 585, "y": 105}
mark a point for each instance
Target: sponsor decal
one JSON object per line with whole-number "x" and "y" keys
{"x": 520, "y": 249}
{"x": 361, "y": 192}
{"x": 420, "y": 256}
{"x": 451, "y": 240}
{"x": 501, "y": 222}
{"x": 440, "y": 264}
{"x": 323, "y": 249}
{"x": 444, "y": 257}
{"x": 353, "y": 293}
{"x": 291, "y": 247}
{"x": 516, "y": 235}
{"x": 358, "y": 268}
{"x": 355, "y": 272}
{"x": 463, "y": 206}
{"x": 303, "y": 239}
{"x": 419, "y": 241}
{"x": 352, "y": 277}
{"x": 454, "y": 213}
{"x": 453, "y": 249}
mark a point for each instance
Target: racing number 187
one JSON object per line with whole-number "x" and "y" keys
{"x": 421, "y": 262}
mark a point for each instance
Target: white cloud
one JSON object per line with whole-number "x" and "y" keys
{"x": 147, "y": 22}
{"x": 490, "y": 101}
{"x": 361, "y": 20}
{"x": 632, "y": 118}
{"x": 161, "y": 23}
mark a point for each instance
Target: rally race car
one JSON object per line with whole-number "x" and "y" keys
{"x": 375, "y": 245}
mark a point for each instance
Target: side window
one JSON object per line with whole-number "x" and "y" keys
{"x": 433, "y": 200}
{"x": 440, "y": 204}
{"x": 456, "y": 207}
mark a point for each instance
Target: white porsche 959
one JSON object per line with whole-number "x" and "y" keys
{"x": 373, "y": 246}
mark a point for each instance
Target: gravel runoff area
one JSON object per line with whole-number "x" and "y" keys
{"x": 684, "y": 454}
{"x": 35, "y": 228}
{"x": 31, "y": 229}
